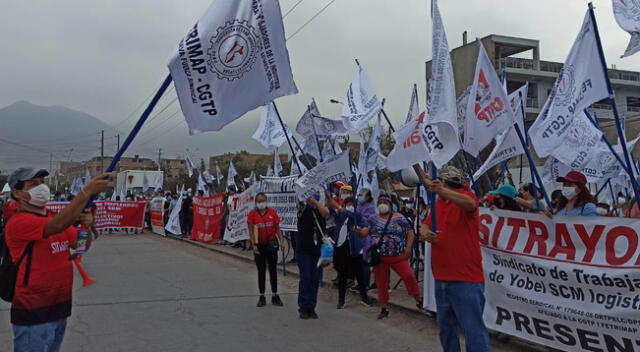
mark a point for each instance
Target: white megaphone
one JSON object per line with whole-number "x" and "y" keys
{"x": 409, "y": 177}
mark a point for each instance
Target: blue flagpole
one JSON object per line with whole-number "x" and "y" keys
{"x": 612, "y": 100}
{"x": 284, "y": 129}
{"x": 474, "y": 185}
{"x": 524, "y": 123}
{"x": 532, "y": 166}
{"x": 138, "y": 125}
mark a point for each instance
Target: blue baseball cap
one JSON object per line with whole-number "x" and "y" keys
{"x": 506, "y": 191}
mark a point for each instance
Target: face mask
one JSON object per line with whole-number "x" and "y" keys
{"x": 345, "y": 196}
{"x": 601, "y": 211}
{"x": 261, "y": 205}
{"x": 360, "y": 199}
{"x": 409, "y": 206}
{"x": 349, "y": 208}
{"x": 395, "y": 208}
{"x": 383, "y": 208}
{"x": 569, "y": 192}
{"x": 39, "y": 195}
{"x": 622, "y": 200}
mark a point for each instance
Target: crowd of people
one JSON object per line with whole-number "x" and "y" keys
{"x": 368, "y": 236}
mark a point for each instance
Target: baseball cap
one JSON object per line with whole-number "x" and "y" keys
{"x": 505, "y": 190}
{"x": 385, "y": 198}
{"x": 450, "y": 173}
{"x": 574, "y": 177}
{"x": 346, "y": 188}
{"x": 25, "y": 174}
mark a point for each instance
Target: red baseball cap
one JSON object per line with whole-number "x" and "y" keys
{"x": 574, "y": 177}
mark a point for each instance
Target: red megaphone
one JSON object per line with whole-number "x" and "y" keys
{"x": 86, "y": 279}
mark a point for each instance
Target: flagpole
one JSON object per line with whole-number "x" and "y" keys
{"x": 284, "y": 129}
{"x": 606, "y": 141}
{"x": 315, "y": 134}
{"x": 524, "y": 124}
{"x": 532, "y": 166}
{"x": 612, "y": 100}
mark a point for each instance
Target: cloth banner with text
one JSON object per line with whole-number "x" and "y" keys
{"x": 333, "y": 169}
{"x": 207, "y": 216}
{"x": 111, "y": 214}
{"x": 156, "y": 212}
{"x": 281, "y": 196}
{"x": 239, "y": 207}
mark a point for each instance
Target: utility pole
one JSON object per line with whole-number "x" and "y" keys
{"x": 102, "y": 151}
{"x": 118, "y": 143}
{"x": 159, "y": 156}
{"x": 51, "y": 168}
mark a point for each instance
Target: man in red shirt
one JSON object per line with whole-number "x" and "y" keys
{"x": 266, "y": 239}
{"x": 42, "y": 299}
{"x": 456, "y": 261}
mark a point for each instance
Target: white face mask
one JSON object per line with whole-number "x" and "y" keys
{"x": 569, "y": 192}
{"x": 344, "y": 196}
{"x": 261, "y": 205}
{"x": 601, "y": 211}
{"x": 40, "y": 195}
{"x": 348, "y": 208}
{"x": 622, "y": 200}
{"x": 383, "y": 208}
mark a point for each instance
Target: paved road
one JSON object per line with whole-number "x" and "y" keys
{"x": 157, "y": 294}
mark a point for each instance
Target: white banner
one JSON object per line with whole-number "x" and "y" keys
{"x": 488, "y": 112}
{"x": 270, "y": 133}
{"x": 239, "y": 207}
{"x": 173, "y": 224}
{"x": 333, "y": 169}
{"x": 561, "y": 122}
{"x": 571, "y": 283}
{"x": 311, "y": 124}
{"x": 156, "y": 210}
{"x": 409, "y": 148}
{"x": 281, "y": 196}
{"x": 231, "y": 174}
{"x": 362, "y": 102}
{"x": 627, "y": 13}
{"x": 236, "y": 49}
{"x": 441, "y": 125}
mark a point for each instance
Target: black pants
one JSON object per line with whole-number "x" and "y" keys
{"x": 270, "y": 258}
{"x": 345, "y": 263}
{"x": 186, "y": 223}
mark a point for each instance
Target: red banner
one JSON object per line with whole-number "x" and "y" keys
{"x": 112, "y": 214}
{"x": 207, "y": 216}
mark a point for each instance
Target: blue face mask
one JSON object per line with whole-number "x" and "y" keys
{"x": 395, "y": 208}
{"x": 360, "y": 199}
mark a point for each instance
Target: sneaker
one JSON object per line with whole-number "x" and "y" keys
{"x": 262, "y": 301}
{"x": 313, "y": 315}
{"x": 276, "y": 301}
{"x": 366, "y": 303}
{"x": 304, "y": 315}
{"x": 420, "y": 305}
{"x": 340, "y": 305}
{"x": 384, "y": 313}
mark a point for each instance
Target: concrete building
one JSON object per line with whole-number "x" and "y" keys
{"x": 69, "y": 169}
{"x": 173, "y": 169}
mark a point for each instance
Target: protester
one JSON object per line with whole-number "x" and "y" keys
{"x": 186, "y": 214}
{"x": 556, "y": 199}
{"x": 311, "y": 230}
{"x": 41, "y": 306}
{"x": 266, "y": 239}
{"x": 505, "y": 198}
{"x": 577, "y": 201}
{"x": 529, "y": 202}
{"x": 456, "y": 261}
{"x": 365, "y": 209}
{"x": 603, "y": 209}
{"x": 348, "y": 255}
{"x": 394, "y": 235}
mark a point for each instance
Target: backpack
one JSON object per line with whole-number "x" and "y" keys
{"x": 9, "y": 270}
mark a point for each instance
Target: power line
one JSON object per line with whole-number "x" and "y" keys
{"x": 311, "y": 19}
{"x": 292, "y": 8}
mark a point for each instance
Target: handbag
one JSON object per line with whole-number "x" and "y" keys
{"x": 373, "y": 255}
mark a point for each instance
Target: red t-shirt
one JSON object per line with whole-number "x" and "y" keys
{"x": 266, "y": 224}
{"x": 47, "y": 296}
{"x": 9, "y": 209}
{"x": 456, "y": 255}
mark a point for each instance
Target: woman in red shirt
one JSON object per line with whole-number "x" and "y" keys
{"x": 266, "y": 239}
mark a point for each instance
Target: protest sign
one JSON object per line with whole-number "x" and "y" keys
{"x": 281, "y": 196}
{"x": 156, "y": 211}
{"x": 207, "y": 216}
{"x": 111, "y": 214}
{"x": 333, "y": 169}
{"x": 239, "y": 207}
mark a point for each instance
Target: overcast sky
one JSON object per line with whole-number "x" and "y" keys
{"x": 104, "y": 57}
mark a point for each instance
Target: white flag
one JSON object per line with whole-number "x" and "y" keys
{"x": 414, "y": 109}
{"x": 158, "y": 182}
{"x": 440, "y": 128}
{"x": 87, "y": 178}
{"x": 277, "y": 164}
{"x": 333, "y": 169}
{"x": 75, "y": 186}
{"x": 373, "y": 148}
{"x": 310, "y": 146}
{"x": 311, "y": 124}
{"x": 270, "y": 133}
{"x": 362, "y": 102}
{"x": 208, "y": 178}
{"x": 231, "y": 174}
{"x": 173, "y": 224}
{"x": 201, "y": 186}
{"x": 219, "y": 175}
{"x": 236, "y": 49}
{"x": 461, "y": 106}
{"x": 362, "y": 157}
{"x": 627, "y": 13}
{"x": 508, "y": 144}
{"x": 145, "y": 183}
{"x": 336, "y": 147}
{"x": 294, "y": 166}
{"x": 123, "y": 195}
{"x": 113, "y": 195}
{"x": 190, "y": 166}
{"x": 327, "y": 149}
{"x": 410, "y": 148}
{"x": 561, "y": 129}
{"x": 487, "y": 111}
{"x": 269, "y": 172}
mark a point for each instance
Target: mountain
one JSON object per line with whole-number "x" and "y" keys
{"x": 30, "y": 134}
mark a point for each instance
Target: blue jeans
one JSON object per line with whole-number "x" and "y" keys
{"x": 45, "y": 337}
{"x": 460, "y": 305}
{"x": 310, "y": 276}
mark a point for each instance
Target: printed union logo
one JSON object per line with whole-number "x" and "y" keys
{"x": 630, "y": 9}
{"x": 234, "y": 50}
{"x": 565, "y": 86}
